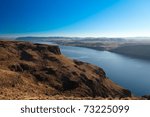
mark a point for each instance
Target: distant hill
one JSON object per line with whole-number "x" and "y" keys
{"x": 88, "y": 42}
{"x": 84, "y": 39}
{"x": 138, "y": 51}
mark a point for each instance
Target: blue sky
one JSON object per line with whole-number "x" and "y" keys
{"x": 87, "y": 18}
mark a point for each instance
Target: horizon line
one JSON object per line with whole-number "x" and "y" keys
{"x": 63, "y": 36}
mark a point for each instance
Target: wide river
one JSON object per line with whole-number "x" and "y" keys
{"x": 131, "y": 73}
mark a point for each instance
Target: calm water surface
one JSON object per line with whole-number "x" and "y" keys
{"x": 131, "y": 73}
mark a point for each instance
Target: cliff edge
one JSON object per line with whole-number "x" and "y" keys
{"x": 38, "y": 71}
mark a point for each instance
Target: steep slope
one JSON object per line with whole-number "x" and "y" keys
{"x": 37, "y": 71}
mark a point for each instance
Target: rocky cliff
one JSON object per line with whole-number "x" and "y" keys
{"x": 37, "y": 71}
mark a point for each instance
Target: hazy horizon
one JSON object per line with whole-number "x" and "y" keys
{"x": 14, "y": 37}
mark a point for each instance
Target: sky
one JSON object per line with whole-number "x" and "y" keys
{"x": 80, "y": 18}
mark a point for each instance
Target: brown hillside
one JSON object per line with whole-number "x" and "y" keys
{"x": 37, "y": 71}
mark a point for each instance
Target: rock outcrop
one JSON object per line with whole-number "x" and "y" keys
{"x": 38, "y": 71}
